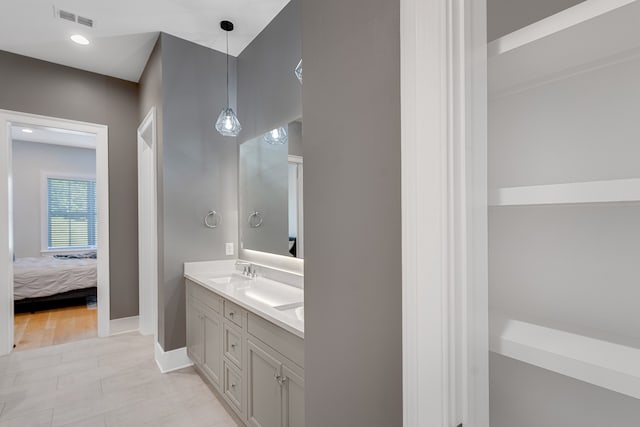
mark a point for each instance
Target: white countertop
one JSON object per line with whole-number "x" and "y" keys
{"x": 259, "y": 296}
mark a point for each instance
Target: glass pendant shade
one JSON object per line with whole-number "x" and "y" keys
{"x": 227, "y": 123}
{"x": 298, "y": 71}
{"x": 277, "y": 136}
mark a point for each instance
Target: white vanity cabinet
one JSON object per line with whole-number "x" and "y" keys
{"x": 204, "y": 331}
{"x": 256, "y": 366}
{"x": 275, "y": 383}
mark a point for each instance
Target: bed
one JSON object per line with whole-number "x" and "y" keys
{"x": 49, "y": 278}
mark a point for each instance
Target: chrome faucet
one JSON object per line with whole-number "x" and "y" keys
{"x": 248, "y": 270}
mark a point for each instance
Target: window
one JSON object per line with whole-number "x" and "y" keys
{"x": 71, "y": 213}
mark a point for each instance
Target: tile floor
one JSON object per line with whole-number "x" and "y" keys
{"x": 103, "y": 382}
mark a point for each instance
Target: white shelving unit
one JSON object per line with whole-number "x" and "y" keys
{"x": 614, "y": 191}
{"x": 538, "y": 78}
{"x": 595, "y": 361}
{"x": 584, "y": 36}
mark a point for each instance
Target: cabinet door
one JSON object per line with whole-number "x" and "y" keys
{"x": 195, "y": 333}
{"x": 212, "y": 357}
{"x": 293, "y": 398}
{"x": 264, "y": 387}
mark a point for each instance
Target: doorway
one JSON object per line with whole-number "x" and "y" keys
{"x": 77, "y": 244}
{"x": 147, "y": 224}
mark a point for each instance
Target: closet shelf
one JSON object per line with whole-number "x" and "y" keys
{"x": 609, "y": 365}
{"x": 612, "y": 191}
{"x": 590, "y": 34}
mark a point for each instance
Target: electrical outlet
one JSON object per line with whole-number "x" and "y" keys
{"x": 228, "y": 248}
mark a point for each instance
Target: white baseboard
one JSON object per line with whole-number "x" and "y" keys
{"x": 124, "y": 325}
{"x": 172, "y": 360}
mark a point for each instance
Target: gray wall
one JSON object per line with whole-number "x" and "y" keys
{"x": 199, "y": 168}
{"x": 526, "y": 396}
{"x": 269, "y": 94}
{"x": 30, "y": 161}
{"x": 353, "y": 254}
{"x": 38, "y": 87}
{"x": 505, "y": 16}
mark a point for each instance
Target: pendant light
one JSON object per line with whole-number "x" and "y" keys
{"x": 277, "y": 136}
{"x": 227, "y": 123}
{"x": 298, "y": 71}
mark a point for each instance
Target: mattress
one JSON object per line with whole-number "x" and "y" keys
{"x": 46, "y": 276}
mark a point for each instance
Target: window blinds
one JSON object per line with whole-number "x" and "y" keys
{"x": 71, "y": 213}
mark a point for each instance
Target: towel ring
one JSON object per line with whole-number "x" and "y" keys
{"x": 258, "y": 219}
{"x": 215, "y": 216}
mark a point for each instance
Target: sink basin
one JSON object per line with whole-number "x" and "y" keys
{"x": 297, "y": 312}
{"x": 285, "y": 307}
{"x": 295, "y": 309}
{"x": 232, "y": 278}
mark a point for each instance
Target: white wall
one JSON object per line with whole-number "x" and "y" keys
{"x": 30, "y": 161}
{"x": 505, "y": 16}
{"x": 584, "y": 128}
{"x": 526, "y": 396}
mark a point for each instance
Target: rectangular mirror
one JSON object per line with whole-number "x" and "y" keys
{"x": 271, "y": 197}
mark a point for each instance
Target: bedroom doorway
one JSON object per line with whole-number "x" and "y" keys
{"x": 54, "y": 247}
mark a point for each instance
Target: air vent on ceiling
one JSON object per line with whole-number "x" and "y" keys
{"x": 85, "y": 21}
{"x": 72, "y": 17}
{"x": 68, "y": 16}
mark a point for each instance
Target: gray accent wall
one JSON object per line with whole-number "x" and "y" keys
{"x": 32, "y": 161}
{"x": 353, "y": 253}
{"x": 269, "y": 94}
{"x": 199, "y": 173}
{"x": 33, "y": 86}
{"x": 526, "y": 396}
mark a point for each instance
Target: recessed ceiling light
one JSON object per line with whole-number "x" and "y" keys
{"x": 80, "y": 39}
{"x": 25, "y": 130}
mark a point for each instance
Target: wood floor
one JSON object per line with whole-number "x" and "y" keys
{"x": 55, "y": 326}
{"x": 103, "y": 382}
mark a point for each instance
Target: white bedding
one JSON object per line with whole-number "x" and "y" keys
{"x": 45, "y": 276}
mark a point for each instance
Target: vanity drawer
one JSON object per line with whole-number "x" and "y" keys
{"x": 233, "y": 345}
{"x": 280, "y": 340}
{"x": 234, "y": 313}
{"x": 233, "y": 387}
{"x": 203, "y": 296}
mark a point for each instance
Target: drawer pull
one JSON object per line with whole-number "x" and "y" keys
{"x": 231, "y": 313}
{"x": 281, "y": 380}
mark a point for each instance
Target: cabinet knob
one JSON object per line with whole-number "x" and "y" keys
{"x": 281, "y": 380}
{"x": 233, "y": 385}
{"x": 231, "y": 313}
{"x": 233, "y": 345}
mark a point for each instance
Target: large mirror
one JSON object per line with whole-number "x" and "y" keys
{"x": 271, "y": 198}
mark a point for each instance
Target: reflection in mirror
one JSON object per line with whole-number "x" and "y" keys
{"x": 271, "y": 200}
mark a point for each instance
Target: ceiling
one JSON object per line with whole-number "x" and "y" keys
{"x": 125, "y": 31}
{"x": 55, "y": 136}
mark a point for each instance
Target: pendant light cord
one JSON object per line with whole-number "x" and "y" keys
{"x": 227, "y": 69}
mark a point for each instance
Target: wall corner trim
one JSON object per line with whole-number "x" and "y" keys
{"x": 123, "y": 325}
{"x": 169, "y": 361}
